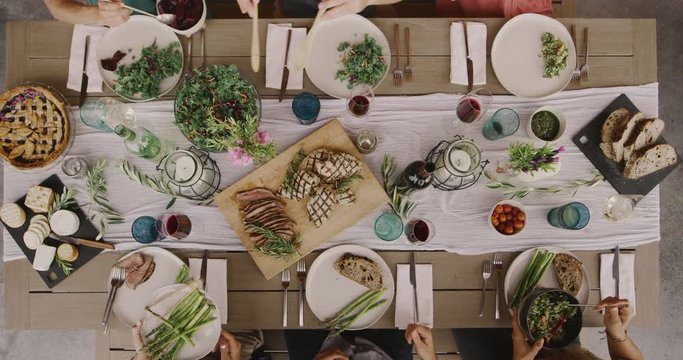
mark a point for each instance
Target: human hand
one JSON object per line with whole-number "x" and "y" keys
{"x": 421, "y": 337}
{"x": 331, "y": 355}
{"x": 112, "y": 12}
{"x": 618, "y": 315}
{"x": 336, "y": 8}
{"x": 521, "y": 350}
{"x": 248, "y": 6}
{"x": 137, "y": 342}
{"x": 230, "y": 348}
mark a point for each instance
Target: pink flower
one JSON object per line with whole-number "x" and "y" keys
{"x": 240, "y": 142}
{"x": 560, "y": 149}
{"x": 263, "y": 137}
{"x": 238, "y": 156}
{"x": 247, "y": 160}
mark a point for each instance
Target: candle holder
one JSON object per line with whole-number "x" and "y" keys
{"x": 191, "y": 174}
{"x": 458, "y": 164}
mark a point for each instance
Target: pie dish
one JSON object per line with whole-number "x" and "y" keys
{"x": 34, "y": 126}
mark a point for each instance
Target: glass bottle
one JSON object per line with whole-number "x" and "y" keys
{"x": 141, "y": 142}
{"x": 417, "y": 175}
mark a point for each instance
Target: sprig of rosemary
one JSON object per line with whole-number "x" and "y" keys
{"x": 64, "y": 200}
{"x": 514, "y": 191}
{"x": 66, "y": 266}
{"x": 292, "y": 168}
{"x": 97, "y": 189}
{"x": 399, "y": 195}
{"x": 275, "y": 245}
{"x": 344, "y": 184}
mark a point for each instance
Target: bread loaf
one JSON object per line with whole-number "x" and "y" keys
{"x": 624, "y": 132}
{"x": 568, "y": 272}
{"x": 644, "y": 134}
{"x": 650, "y": 159}
{"x": 361, "y": 270}
{"x": 608, "y": 135}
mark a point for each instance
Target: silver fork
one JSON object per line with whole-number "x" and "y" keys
{"x": 398, "y": 73}
{"x": 584, "y": 68}
{"x": 408, "y": 69}
{"x": 285, "y": 285}
{"x": 301, "y": 275}
{"x": 117, "y": 278}
{"x": 498, "y": 265}
{"x": 485, "y": 274}
{"x": 576, "y": 75}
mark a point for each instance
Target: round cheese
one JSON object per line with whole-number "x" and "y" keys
{"x": 64, "y": 222}
{"x": 41, "y": 229}
{"x": 38, "y": 218}
{"x": 67, "y": 252}
{"x": 12, "y": 215}
{"x": 32, "y": 239}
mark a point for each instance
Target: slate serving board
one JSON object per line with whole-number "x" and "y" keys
{"x": 87, "y": 230}
{"x": 588, "y": 140}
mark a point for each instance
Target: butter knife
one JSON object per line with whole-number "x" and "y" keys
{"x": 202, "y": 271}
{"x": 615, "y": 271}
{"x": 470, "y": 64}
{"x": 84, "y": 77}
{"x": 84, "y": 242}
{"x": 285, "y": 69}
{"x": 413, "y": 282}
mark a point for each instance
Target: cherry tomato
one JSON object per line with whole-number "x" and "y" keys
{"x": 521, "y": 216}
{"x": 494, "y": 221}
{"x": 502, "y": 218}
{"x": 509, "y": 230}
{"x": 501, "y": 228}
{"x": 515, "y": 210}
{"x": 507, "y": 208}
{"x": 519, "y": 225}
{"x": 499, "y": 209}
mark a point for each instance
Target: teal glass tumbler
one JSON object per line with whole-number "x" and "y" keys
{"x": 503, "y": 123}
{"x": 572, "y": 216}
{"x": 388, "y": 226}
{"x": 144, "y": 230}
{"x": 306, "y": 108}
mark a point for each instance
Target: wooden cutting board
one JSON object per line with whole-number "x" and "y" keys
{"x": 369, "y": 196}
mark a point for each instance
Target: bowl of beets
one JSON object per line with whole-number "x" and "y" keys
{"x": 190, "y": 14}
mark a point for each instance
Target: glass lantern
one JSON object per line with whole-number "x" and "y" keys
{"x": 458, "y": 164}
{"x": 191, "y": 174}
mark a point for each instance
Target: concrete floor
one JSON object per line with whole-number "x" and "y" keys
{"x": 662, "y": 343}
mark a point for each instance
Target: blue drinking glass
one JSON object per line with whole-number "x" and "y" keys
{"x": 144, "y": 230}
{"x": 503, "y": 123}
{"x": 572, "y": 216}
{"x": 306, "y": 108}
{"x": 388, "y": 226}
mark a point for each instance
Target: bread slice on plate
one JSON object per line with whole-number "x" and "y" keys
{"x": 608, "y": 134}
{"x": 361, "y": 270}
{"x": 568, "y": 272}
{"x": 644, "y": 134}
{"x": 624, "y": 133}
{"x": 650, "y": 159}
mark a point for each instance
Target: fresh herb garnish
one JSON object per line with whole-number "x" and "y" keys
{"x": 399, "y": 195}
{"x": 66, "y": 266}
{"x": 342, "y": 185}
{"x": 64, "y": 200}
{"x": 514, "y": 191}
{"x": 97, "y": 188}
{"x": 275, "y": 245}
{"x": 555, "y": 55}
{"x": 527, "y": 158}
{"x": 292, "y": 168}
{"x": 246, "y": 143}
{"x": 144, "y": 75}
{"x": 363, "y": 63}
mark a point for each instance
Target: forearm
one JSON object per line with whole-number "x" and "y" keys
{"x": 382, "y": 2}
{"x": 74, "y": 12}
{"x": 624, "y": 350}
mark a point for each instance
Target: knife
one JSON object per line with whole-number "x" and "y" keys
{"x": 202, "y": 271}
{"x": 615, "y": 271}
{"x": 413, "y": 282}
{"x": 84, "y": 242}
{"x": 470, "y": 64}
{"x": 285, "y": 69}
{"x": 84, "y": 78}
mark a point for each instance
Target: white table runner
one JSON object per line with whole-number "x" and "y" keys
{"x": 407, "y": 127}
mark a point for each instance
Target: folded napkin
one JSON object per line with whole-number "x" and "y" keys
{"x": 216, "y": 282}
{"x": 276, "y": 44}
{"x": 405, "y": 299}
{"x": 627, "y": 283}
{"x": 476, "y": 39}
{"x": 76, "y": 58}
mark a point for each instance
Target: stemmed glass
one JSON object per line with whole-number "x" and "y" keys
{"x": 361, "y": 100}
{"x": 472, "y": 106}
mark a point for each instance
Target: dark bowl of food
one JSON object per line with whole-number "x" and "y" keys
{"x": 190, "y": 15}
{"x": 547, "y": 124}
{"x": 548, "y": 314}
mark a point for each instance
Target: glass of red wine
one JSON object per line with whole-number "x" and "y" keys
{"x": 420, "y": 231}
{"x": 361, "y": 100}
{"x": 472, "y": 106}
{"x": 174, "y": 226}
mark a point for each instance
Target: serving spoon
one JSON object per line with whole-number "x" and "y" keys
{"x": 167, "y": 19}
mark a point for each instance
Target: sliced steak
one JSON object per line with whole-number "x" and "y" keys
{"x": 249, "y": 196}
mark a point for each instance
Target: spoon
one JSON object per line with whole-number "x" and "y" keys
{"x": 162, "y": 18}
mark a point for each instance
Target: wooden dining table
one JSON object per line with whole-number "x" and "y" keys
{"x": 622, "y": 52}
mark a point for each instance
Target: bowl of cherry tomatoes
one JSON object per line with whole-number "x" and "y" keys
{"x": 508, "y": 217}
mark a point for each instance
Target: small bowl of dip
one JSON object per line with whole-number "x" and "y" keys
{"x": 546, "y": 124}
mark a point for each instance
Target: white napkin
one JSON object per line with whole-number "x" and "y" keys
{"x": 405, "y": 299}
{"x": 276, "y": 44}
{"x": 476, "y": 39}
{"x": 76, "y": 58}
{"x": 216, "y": 282}
{"x": 627, "y": 283}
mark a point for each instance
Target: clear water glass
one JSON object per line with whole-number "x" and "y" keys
{"x": 503, "y": 123}
{"x": 572, "y": 216}
{"x": 620, "y": 206}
{"x": 75, "y": 167}
{"x": 388, "y": 226}
{"x": 306, "y": 108}
{"x": 106, "y": 113}
{"x": 366, "y": 142}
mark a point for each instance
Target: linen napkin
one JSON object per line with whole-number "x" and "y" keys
{"x": 476, "y": 38}
{"x": 76, "y": 58}
{"x": 276, "y": 43}
{"x": 405, "y": 299}
{"x": 627, "y": 283}
{"x": 216, "y": 282}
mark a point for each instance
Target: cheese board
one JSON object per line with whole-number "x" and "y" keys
{"x": 369, "y": 195}
{"x": 86, "y": 230}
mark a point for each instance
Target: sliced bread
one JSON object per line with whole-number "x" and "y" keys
{"x": 644, "y": 134}
{"x": 623, "y": 134}
{"x": 650, "y": 159}
{"x": 608, "y": 134}
{"x": 568, "y": 272}
{"x": 361, "y": 270}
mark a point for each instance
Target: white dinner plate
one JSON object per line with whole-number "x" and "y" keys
{"x": 324, "y": 60}
{"x": 129, "y": 305}
{"x": 205, "y": 338}
{"x": 130, "y": 37}
{"x": 519, "y": 265}
{"x": 328, "y": 292}
{"x": 516, "y": 60}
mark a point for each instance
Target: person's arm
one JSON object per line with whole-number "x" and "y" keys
{"x": 521, "y": 350}
{"x": 421, "y": 338}
{"x": 109, "y": 13}
{"x": 616, "y": 320}
{"x": 248, "y": 6}
{"x": 335, "y": 8}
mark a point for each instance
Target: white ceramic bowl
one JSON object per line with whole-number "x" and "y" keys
{"x": 514, "y": 203}
{"x": 196, "y": 26}
{"x": 560, "y": 117}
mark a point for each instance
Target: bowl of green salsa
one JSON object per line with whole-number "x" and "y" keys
{"x": 547, "y": 124}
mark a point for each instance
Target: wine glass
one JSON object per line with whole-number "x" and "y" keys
{"x": 472, "y": 106}
{"x": 620, "y": 206}
{"x": 361, "y": 100}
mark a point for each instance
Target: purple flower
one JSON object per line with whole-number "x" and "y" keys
{"x": 263, "y": 137}
{"x": 556, "y": 159}
{"x": 560, "y": 149}
{"x": 247, "y": 160}
{"x": 235, "y": 155}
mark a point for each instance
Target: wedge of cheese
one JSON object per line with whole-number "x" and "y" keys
{"x": 39, "y": 199}
{"x": 44, "y": 256}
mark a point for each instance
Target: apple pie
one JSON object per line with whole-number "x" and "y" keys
{"x": 34, "y": 126}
